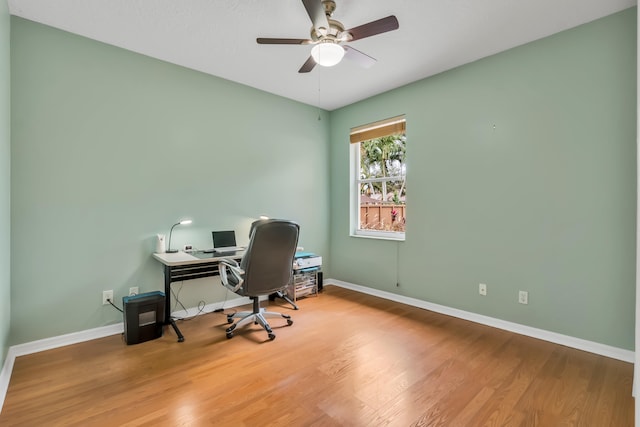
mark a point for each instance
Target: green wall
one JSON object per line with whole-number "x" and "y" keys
{"x": 110, "y": 148}
{"x": 5, "y": 180}
{"x": 521, "y": 175}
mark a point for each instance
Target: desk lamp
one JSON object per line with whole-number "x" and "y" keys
{"x": 183, "y": 222}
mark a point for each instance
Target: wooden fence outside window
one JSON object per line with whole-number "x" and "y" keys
{"x": 382, "y": 217}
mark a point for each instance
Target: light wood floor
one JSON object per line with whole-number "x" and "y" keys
{"x": 349, "y": 359}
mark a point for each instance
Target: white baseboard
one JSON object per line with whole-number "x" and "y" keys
{"x": 91, "y": 334}
{"x": 566, "y": 340}
{"x": 67, "y": 339}
{"x": 5, "y": 375}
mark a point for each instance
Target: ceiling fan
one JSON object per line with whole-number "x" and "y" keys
{"x": 327, "y": 36}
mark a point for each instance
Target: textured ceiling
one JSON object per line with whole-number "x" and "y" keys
{"x": 218, "y": 37}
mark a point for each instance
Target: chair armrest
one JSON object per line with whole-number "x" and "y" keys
{"x": 232, "y": 280}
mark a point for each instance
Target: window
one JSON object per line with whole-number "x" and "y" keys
{"x": 378, "y": 189}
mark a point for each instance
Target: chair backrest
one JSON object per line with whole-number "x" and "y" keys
{"x": 268, "y": 260}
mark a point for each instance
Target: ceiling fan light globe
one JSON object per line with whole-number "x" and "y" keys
{"x": 327, "y": 54}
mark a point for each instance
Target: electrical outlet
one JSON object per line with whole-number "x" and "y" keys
{"x": 106, "y": 296}
{"x": 523, "y": 297}
{"x": 482, "y": 289}
{"x": 133, "y": 291}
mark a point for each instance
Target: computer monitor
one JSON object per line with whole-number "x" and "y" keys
{"x": 224, "y": 239}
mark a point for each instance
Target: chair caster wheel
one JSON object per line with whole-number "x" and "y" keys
{"x": 272, "y": 337}
{"x": 229, "y": 335}
{"x": 289, "y": 322}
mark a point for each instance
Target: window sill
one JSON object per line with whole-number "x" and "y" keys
{"x": 379, "y": 235}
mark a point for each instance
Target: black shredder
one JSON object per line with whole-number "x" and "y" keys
{"x": 143, "y": 316}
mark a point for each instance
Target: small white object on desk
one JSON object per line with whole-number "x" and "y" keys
{"x": 160, "y": 247}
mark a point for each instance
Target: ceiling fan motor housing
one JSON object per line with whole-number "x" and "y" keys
{"x": 335, "y": 33}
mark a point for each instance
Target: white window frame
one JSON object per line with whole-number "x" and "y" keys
{"x": 354, "y": 202}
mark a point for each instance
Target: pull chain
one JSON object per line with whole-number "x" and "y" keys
{"x": 319, "y": 109}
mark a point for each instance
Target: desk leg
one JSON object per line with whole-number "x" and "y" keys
{"x": 167, "y": 303}
{"x": 283, "y": 294}
{"x": 175, "y": 328}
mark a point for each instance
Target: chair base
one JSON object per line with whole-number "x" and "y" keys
{"x": 257, "y": 316}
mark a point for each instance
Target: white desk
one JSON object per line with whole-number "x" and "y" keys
{"x": 180, "y": 266}
{"x": 184, "y": 258}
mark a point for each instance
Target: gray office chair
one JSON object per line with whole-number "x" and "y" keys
{"x": 277, "y": 294}
{"x": 266, "y": 267}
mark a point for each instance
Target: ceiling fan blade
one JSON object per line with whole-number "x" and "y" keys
{"x": 266, "y": 40}
{"x": 307, "y": 66}
{"x": 316, "y": 13}
{"x": 382, "y": 25}
{"x": 355, "y": 55}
